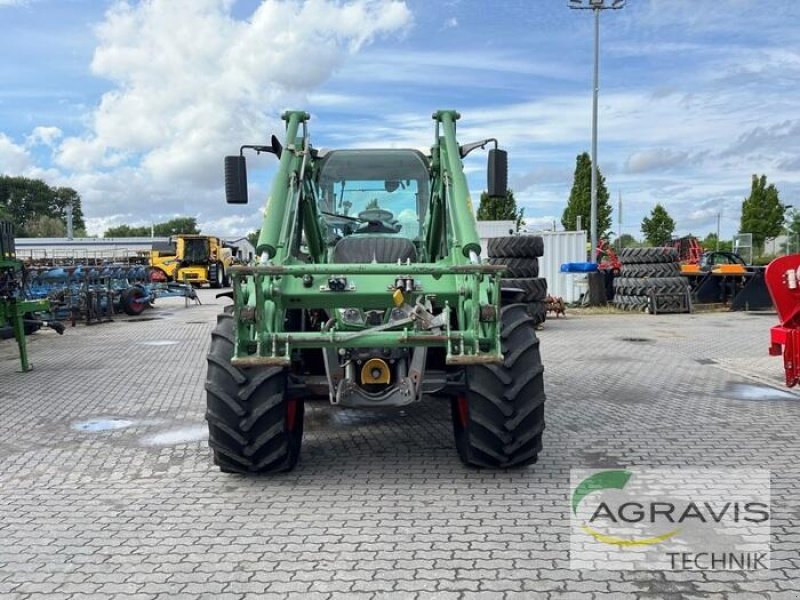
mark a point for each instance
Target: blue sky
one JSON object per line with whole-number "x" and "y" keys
{"x": 135, "y": 104}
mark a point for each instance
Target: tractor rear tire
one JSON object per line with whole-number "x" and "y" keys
{"x": 629, "y": 256}
{"x": 515, "y": 246}
{"x": 651, "y": 270}
{"x": 518, "y": 267}
{"x": 253, "y": 426}
{"x": 634, "y": 303}
{"x": 538, "y": 312}
{"x": 641, "y": 286}
{"x": 534, "y": 288}
{"x": 499, "y": 421}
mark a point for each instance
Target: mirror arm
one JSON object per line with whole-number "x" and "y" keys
{"x": 258, "y": 149}
{"x": 467, "y": 148}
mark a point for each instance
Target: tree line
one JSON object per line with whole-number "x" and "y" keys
{"x": 187, "y": 225}
{"x": 37, "y": 209}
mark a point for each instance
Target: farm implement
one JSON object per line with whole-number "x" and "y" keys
{"x": 19, "y": 314}
{"x": 95, "y": 293}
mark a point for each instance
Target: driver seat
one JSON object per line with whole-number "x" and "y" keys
{"x": 377, "y": 248}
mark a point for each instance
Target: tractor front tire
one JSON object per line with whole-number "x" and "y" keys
{"x": 253, "y": 426}
{"x": 499, "y": 420}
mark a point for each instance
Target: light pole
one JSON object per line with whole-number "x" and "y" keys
{"x": 596, "y": 6}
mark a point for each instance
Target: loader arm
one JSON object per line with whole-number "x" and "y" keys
{"x": 282, "y": 202}
{"x": 452, "y": 186}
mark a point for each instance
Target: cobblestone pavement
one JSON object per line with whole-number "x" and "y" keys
{"x": 107, "y": 490}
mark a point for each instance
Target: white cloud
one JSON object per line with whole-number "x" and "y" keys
{"x": 14, "y": 159}
{"x": 45, "y": 136}
{"x": 192, "y": 83}
{"x": 653, "y": 159}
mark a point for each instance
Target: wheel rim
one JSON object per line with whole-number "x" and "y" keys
{"x": 463, "y": 410}
{"x": 291, "y": 415}
{"x": 137, "y": 307}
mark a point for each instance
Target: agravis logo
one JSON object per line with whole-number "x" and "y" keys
{"x": 658, "y": 515}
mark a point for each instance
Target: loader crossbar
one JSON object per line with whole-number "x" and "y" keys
{"x": 266, "y": 345}
{"x": 367, "y": 269}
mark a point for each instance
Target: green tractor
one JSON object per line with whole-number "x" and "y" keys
{"x": 368, "y": 290}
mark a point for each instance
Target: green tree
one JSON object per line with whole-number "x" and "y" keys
{"x": 174, "y": 226}
{"x": 25, "y": 200}
{"x": 658, "y": 227}
{"x": 626, "y": 240}
{"x": 252, "y": 237}
{"x": 580, "y": 199}
{"x": 710, "y": 244}
{"x": 372, "y": 204}
{"x": 177, "y": 225}
{"x": 762, "y": 213}
{"x": 63, "y": 197}
{"x": 126, "y": 231}
{"x": 43, "y": 227}
{"x": 792, "y": 243}
{"x": 500, "y": 208}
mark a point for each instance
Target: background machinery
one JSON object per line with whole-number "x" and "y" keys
{"x": 193, "y": 259}
{"x": 19, "y": 315}
{"x": 369, "y": 291}
{"x": 721, "y": 277}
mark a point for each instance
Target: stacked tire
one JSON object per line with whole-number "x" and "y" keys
{"x": 648, "y": 273}
{"x": 520, "y": 255}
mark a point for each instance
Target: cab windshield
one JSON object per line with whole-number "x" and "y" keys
{"x": 374, "y": 191}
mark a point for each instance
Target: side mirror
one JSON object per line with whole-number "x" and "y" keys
{"x": 497, "y": 173}
{"x": 235, "y": 180}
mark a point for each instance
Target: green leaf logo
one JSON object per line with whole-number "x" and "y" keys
{"x": 615, "y": 480}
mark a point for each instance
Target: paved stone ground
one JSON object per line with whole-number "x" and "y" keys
{"x": 380, "y": 506}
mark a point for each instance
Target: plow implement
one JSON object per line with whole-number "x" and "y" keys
{"x": 95, "y": 293}
{"x": 43, "y": 296}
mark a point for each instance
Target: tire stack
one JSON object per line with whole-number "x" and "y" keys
{"x": 520, "y": 254}
{"x": 650, "y": 273}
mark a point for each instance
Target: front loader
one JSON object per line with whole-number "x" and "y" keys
{"x": 368, "y": 290}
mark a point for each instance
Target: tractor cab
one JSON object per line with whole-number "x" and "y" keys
{"x": 372, "y": 204}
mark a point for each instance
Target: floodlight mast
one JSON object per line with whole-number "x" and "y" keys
{"x": 596, "y": 6}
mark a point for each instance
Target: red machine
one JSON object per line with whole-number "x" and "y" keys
{"x": 689, "y": 250}
{"x": 610, "y": 260}
{"x": 783, "y": 281}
